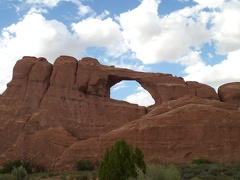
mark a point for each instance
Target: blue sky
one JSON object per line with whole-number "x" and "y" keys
{"x": 198, "y": 40}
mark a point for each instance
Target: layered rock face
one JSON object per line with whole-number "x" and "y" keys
{"x": 58, "y": 114}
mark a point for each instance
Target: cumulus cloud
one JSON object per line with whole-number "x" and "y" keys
{"x": 97, "y": 32}
{"x": 216, "y": 75}
{"x": 226, "y": 27}
{"x": 209, "y": 4}
{"x": 142, "y": 98}
{"x": 35, "y": 35}
{"x": 155, "y": 39}
{"x": 83, "y": 10}
{"x": 190, "y": 59}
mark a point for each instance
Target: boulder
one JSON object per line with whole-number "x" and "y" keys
{"x": 230, "y": 93}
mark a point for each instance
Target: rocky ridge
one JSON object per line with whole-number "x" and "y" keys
{"x": 57, "y": 114}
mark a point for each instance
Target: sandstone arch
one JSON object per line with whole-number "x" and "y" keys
{"x": 96, "y": 79}
{"x": 62, "y": 112}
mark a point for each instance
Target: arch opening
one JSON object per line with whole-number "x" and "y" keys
{"x": 132, "y": 92}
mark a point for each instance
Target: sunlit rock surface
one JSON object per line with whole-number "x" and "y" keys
{"x": 61, "y": 113}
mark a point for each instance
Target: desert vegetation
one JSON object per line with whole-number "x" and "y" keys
{"x": 121, "y": 162}
{"x": 153, "y": 172}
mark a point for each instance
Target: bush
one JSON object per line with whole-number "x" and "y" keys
{"x": 9, "y": 166}
{"x": 120, "y": 162}
{"x": 27, "y": 165}
{"x": 84, "y": 166}
{"x": 201, "y": 161}
{"x": 19, "y": 173}
{"x": 156, "y": 172}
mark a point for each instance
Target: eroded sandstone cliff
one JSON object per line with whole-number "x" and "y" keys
{"x": 57, "y": 114}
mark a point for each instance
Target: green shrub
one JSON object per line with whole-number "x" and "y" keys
{"x": 19, "y": 173}
{"x": 156, "y": 172}
{"x": 9, "y": 166}
{"x": 6, "y": 177}
{"x": 84, "y": 166}
{"x": 237, "y": 175}
{"x": 214, "y": 171}
{"x": 201, "y": 161}
{"x": 120, "y": 162}
{"x": 26, "y": 164}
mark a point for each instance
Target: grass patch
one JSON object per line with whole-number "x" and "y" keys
{"x": 187, "y": 172}
{"x": 75, "y": 175}
{"x": 210, "y": 171}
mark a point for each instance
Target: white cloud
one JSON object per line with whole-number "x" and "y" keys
{"x": 36, "y": 10}
{"x": 118, "y": 86}
{"x": 154, "y": 39}
{"x": 209, "y": 3}
{"x": 42, "y": 6}
{"x": 97, "y": 32}
{"x": 190, "y": 59}
{"x": 121, "y": 63}
{"x": 216, "y": 75}
{"x": 226, "y": 27}
{"x": 35, "y": 35}
{"x": 105, "y": 14}
{"x": 6, "y": 65}
{"x": 142, "y": 98}
{"x": 49, "y": 3}
{"x": 117, "y": 49}
{"x": 83, "y": 10}
{"x": 210, "y": 56}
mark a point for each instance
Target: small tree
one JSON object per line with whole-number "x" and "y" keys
{"x": 120, "y": 162}
{"x": 140, "y": 160}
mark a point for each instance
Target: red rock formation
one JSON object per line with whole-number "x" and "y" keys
{"x": 57, "y": 114}
{"x": 230, "y": 92}
{"x": 175, "y": 132}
